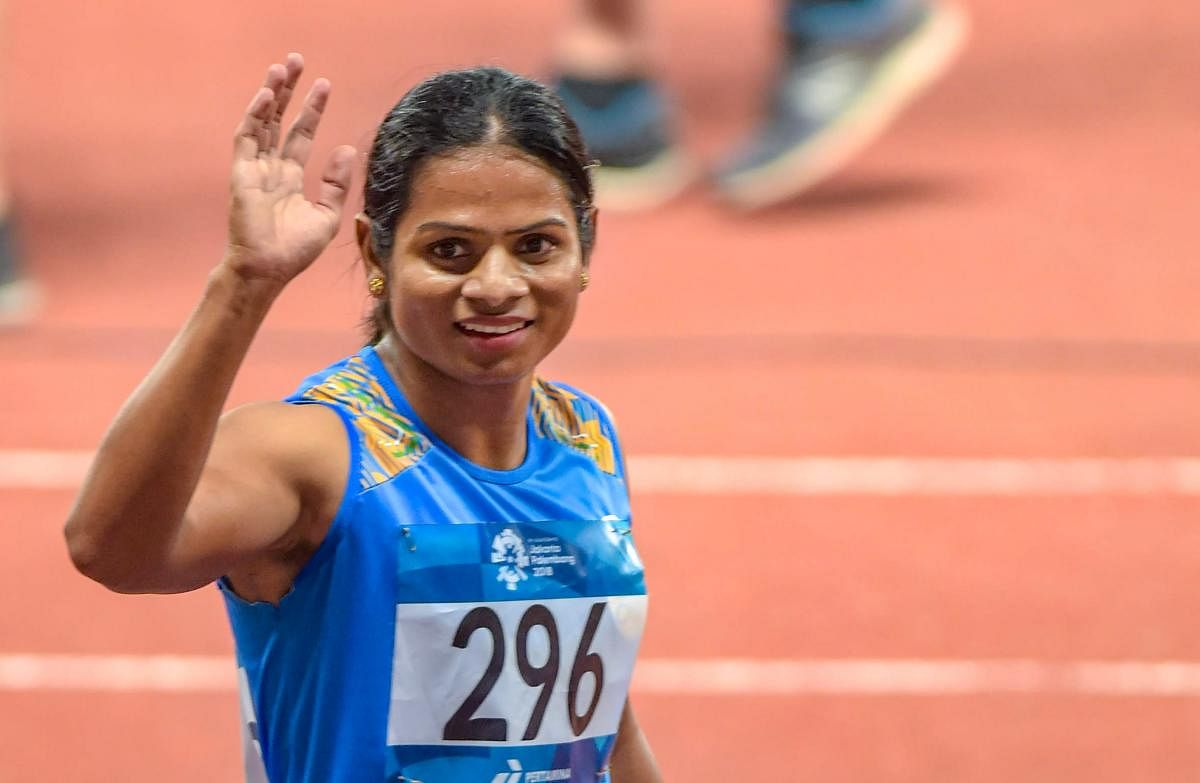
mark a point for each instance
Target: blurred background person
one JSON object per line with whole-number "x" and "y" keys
{"x": 847, "y": 67}
{"x": 17, "y": 294}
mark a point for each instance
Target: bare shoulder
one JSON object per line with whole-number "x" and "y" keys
{"x": 285, "y": 467}
{"x": 283, "y": 426}
{"x": 300, "y": 447}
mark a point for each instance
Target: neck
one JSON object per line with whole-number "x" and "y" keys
{"x": 486, "y": 423}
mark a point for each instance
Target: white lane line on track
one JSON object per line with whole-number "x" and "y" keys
{"x": 673, "y": 676}
{"x": 917, "y": 677}
{"x": 910, "y": 476}
{"x": 42, "y": 469}
{"x": 811, "y": 476}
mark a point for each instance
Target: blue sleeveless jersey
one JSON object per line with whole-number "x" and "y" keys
{"x": 458, "y": 624}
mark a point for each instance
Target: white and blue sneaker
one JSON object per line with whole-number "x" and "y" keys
{"x": 834, "y": 95}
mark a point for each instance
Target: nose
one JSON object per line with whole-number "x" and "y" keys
{"x": 496, "y": 280}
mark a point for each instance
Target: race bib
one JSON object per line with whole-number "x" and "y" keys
{"x": 514, "y": 649}
{"x": 536, "y": 672}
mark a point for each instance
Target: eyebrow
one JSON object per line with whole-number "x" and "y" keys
{"x": 473, "y": 230}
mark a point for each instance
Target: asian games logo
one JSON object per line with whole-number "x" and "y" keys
{"x": 508, "y": 549}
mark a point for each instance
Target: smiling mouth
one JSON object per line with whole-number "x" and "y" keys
{"x": 487, "y": 330}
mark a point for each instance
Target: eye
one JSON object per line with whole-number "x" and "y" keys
{"x": 449, "y": 249}
{"x": 536, "y": 245}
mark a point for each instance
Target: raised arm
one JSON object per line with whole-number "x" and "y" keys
{"x": 173, "y": 501}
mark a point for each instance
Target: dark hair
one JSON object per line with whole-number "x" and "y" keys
{"x": 462, "y": 109}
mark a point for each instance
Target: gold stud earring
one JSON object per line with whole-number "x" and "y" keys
{"x": 376, "y": 286}
{"x": 584, "y": 279}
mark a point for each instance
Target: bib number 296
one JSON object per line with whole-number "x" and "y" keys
{"x": 464, "y": 727}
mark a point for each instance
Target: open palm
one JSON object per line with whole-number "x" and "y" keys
{"x": 275, "y": 232}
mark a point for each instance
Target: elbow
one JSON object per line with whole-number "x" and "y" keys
{"x": 87, "y": 554}
{"x": 95, "y": 561}
{"x": 81, "y": 546}
{"x": 130, "y": 570}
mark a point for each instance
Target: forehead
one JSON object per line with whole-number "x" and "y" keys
{"x": 492, "y": 184}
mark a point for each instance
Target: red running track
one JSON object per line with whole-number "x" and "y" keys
{"x": 1009, "y": 273}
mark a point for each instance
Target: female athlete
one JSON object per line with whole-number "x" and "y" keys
{"x": 425, "y": 550}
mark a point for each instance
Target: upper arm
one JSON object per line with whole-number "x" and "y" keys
{"x": 270, "y": 486}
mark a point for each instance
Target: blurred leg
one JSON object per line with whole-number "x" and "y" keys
{"x": 849, "y": 67}
{"x": 604, "y": 79}
{"x": 605, "y": 39}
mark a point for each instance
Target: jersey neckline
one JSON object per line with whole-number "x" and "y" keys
{"x": 491, "y": 475}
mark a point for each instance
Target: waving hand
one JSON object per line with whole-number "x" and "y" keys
{"x": 275, "y": 232}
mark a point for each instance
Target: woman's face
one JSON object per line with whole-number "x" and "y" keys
{"x": 485, "y": 270}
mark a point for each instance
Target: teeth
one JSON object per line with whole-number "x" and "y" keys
{"x": 484, "y": 329}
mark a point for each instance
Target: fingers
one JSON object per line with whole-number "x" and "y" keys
{"x": 335, "y": 181}
{"x": 247, "y": 140}
{"x": 261, "y": 123}
{"x": 293, "y": 67}
{"x": 259, "y": 131}
{"x": 298, "y": 143}
{"x": 276, "y": 75}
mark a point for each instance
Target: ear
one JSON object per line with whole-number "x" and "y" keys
{"x": 593, "y": 220}
{"x": 362, "y": 232}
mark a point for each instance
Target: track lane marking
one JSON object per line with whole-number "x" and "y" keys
{"x": 799, "y": 476}
{"x": 915, "y": 476}
{"x": 167, "y": 674}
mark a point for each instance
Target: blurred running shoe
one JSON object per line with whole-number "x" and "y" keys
{"x": 834, "y": 95}
{"x": 625, "y": 125}
{"x": 18, "y": 296}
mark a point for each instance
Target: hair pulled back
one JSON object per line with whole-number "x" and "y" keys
{"x": 467, "y": 108}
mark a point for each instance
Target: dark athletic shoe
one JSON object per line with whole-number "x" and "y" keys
{"x": 831, "y": 100}
{"x": 625, "y": 125}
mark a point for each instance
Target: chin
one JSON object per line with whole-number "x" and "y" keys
{"x": 502, "y": 372}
